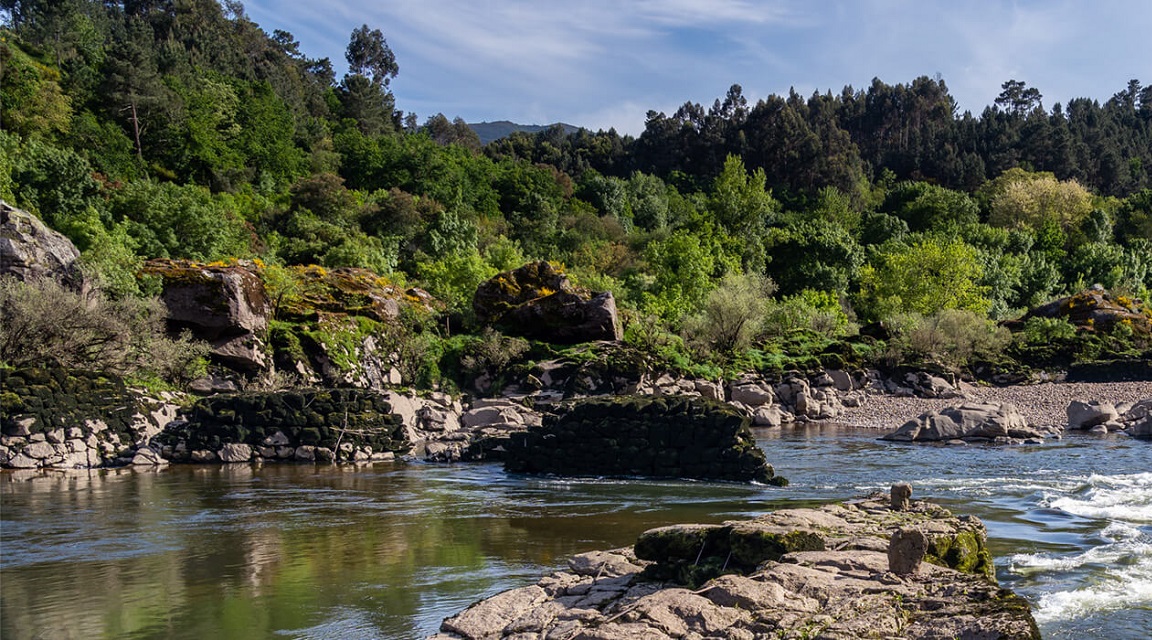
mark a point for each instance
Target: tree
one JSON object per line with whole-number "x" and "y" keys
{"x": 368, "y": 54}
{"x": 1020, "y": 199}
{"x": 924, "y": 277}
{"x": 1018, "y": 98}
{"x": 814, "y": 254}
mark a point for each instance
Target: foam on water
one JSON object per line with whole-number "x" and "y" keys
{"x": 1126, "y": 498}
{"x": 1116, "y": 570}
{"x": 1129, "y": 588}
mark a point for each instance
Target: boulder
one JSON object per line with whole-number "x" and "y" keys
{"x": 751, "y": 393}
{"x": 649, "y": 436}
{"x": 29, "y": 250}
{"x": 1085, "y": 415}
{"x": 1094, "y": 310}
{"x": 538, "y": 301}
{"x": 224, "y": 305}
{"x": 971, "y": 421}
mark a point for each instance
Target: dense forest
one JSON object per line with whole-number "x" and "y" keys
{"x": 180, "y": 129}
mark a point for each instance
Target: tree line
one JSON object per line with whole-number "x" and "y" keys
{"x": 179, "y": 128}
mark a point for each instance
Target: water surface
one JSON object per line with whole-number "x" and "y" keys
{"x": 387, "y": 550}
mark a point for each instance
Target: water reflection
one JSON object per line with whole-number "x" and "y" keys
{"x": 386, "y": 550}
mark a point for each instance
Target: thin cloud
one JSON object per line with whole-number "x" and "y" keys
{"x": 588, "y": 63}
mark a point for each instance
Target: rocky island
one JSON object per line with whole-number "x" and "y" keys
{"x": 884, "y": 567}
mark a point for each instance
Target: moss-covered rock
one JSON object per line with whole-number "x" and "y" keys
{"x": 653, "y": 436}
{"x": 354, "y": 424}
{"x": 691, "y": 554}
{"x": 538, "y": 301}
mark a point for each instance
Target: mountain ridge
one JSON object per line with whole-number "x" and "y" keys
{"x": 490, "y": 131}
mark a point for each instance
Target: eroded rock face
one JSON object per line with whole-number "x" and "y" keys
{"x": 844, "y": 594}
{"x": 970, "y": 422}
{"x": 224, "y": 305}
{"x": 29, "y": 250}
{"x": 538, "y": 301}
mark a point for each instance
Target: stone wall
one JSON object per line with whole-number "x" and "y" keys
{"x": 325, "y": 425}
{"x": 668, "y": 437}
{"x": 53, "y": 417}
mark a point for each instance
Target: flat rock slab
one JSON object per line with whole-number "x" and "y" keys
{"x": 845, "y": 591}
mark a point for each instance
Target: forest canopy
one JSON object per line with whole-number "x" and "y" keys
{"x": 181, "y": 129}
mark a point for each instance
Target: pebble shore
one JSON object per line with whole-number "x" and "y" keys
{"x": 1042, "y": 404}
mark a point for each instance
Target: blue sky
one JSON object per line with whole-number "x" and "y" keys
{"x": 605, "y": 63}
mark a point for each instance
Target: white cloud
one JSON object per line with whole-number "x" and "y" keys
{"x": 592, "y": 62}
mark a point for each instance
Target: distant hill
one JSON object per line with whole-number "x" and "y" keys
{"x": 489, "y": 131}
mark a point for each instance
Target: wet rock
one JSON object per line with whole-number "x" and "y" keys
{"x": 235, "y": 452}
{"x": 686, "y": 437}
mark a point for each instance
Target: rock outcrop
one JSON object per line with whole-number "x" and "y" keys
{"x": 1095, "y": 310}
{"x": 1000, "y": 423}
{"x": 29, "y": 250}
{"x": 800, "y": 573}
{"x": 538, "y": 301}
{"x": 224, "y": 305}
{"x": 666, "y": 437}
{"x": 1135, "y": 419}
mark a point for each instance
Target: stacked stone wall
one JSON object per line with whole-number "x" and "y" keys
{"x": 672, "y": 437}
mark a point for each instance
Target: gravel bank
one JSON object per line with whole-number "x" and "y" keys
{"x": 1042, "y": 404}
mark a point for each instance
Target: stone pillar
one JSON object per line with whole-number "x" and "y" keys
{"x": 901, "y": 496}
{"x": 906, "y": 550}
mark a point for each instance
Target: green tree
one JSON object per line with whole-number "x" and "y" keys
{"x": 814, "y": 254}
{"x": 923, "y": 277}
{"x": 1019, "y": 199}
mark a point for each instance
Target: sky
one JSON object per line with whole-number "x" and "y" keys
{"x": 601, "y": 64}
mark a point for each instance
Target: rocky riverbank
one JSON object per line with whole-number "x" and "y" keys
{"x": 880, "y": 567}
{"x": 1044, "y": 404}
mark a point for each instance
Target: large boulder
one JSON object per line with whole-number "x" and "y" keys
{"x": 1095, "y": 310}
{"x": 538, "y": 301}
{"x": 971, "y": 421}
{"x": 226, "y": 306}
{"x": 29, "y": 250}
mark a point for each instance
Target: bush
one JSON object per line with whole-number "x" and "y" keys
{"x": 1046, "y": 330}
{"x": 955, "y": 337}
{"x": 733, "y": 315}
{"x": 42, "y": 322}
{"x": 819, "y": 311}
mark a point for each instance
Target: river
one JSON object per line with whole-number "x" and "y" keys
{"x": 387, "y": 550}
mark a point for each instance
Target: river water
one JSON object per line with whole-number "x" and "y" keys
{"x": 387, "y": 550}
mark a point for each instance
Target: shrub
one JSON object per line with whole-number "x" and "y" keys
{"x": 42, "y": 322}
{"x": 1046, "y": 330}
{"x": 955, "y": 337}
{"x": 732, "y": 316}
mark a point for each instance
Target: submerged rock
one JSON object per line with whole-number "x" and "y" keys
{"x": 845, "y": 593}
